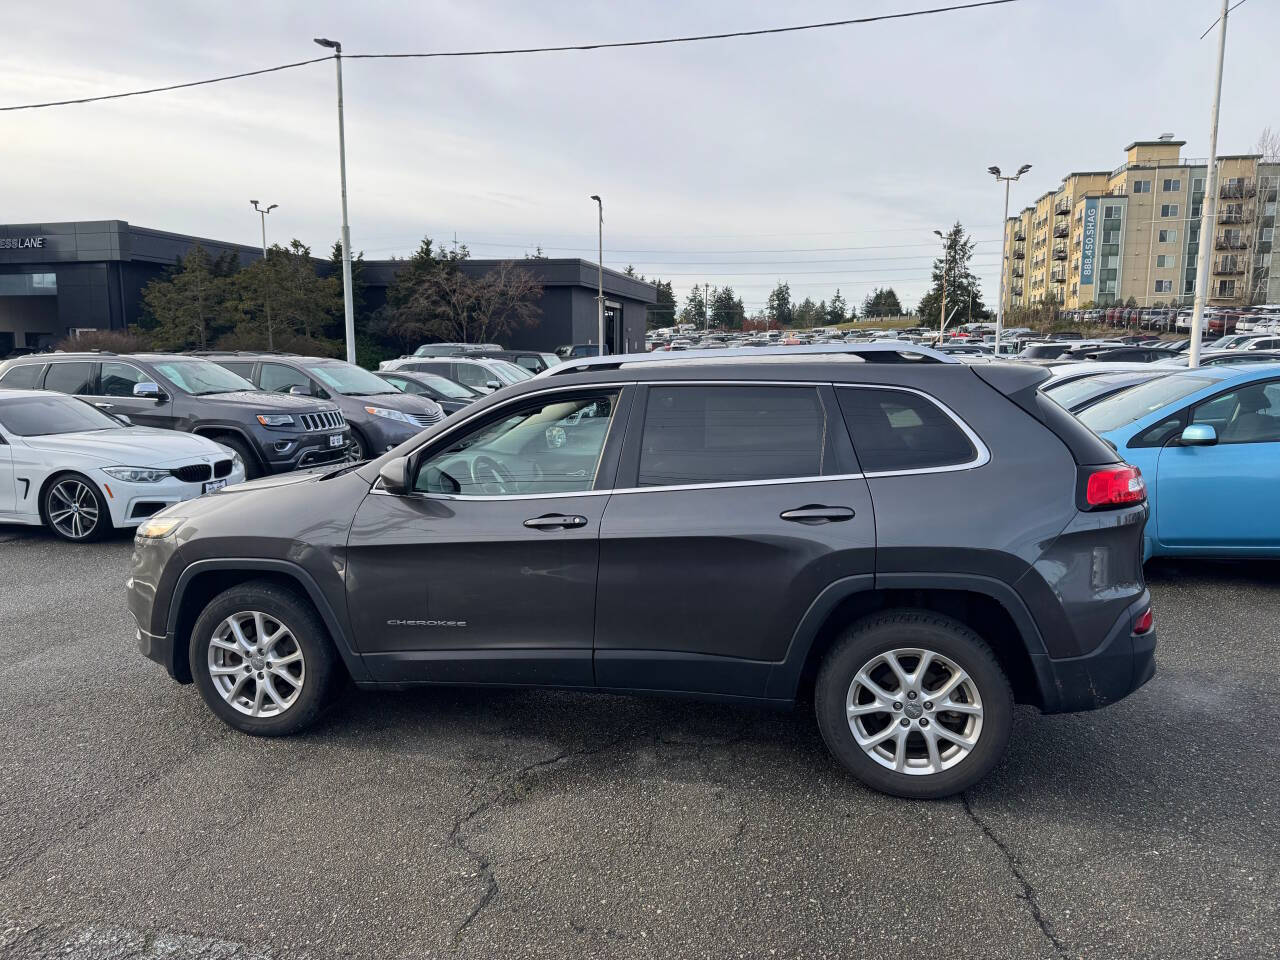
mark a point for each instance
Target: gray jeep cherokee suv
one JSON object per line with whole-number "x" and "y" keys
{"x": 915, "y": 542}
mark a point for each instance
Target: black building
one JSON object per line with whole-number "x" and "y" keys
{"x": 56, "y": 278}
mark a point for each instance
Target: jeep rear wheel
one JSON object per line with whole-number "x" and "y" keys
{"x": 914, "y": 704}
{"x": 262, "y": 660}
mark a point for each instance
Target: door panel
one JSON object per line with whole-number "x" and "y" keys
{"x": 116, "y": 381}
{"x": 1218, "y": 496}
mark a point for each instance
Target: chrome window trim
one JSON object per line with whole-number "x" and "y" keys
{"x": 982, "y": 458}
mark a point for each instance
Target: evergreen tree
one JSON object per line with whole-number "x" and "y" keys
{"x": 883, "y": 302}
{"x": 191, "y": 306}
{"x": 695, "y": 308}
{"x": 962, "y": 285}
{"x": 727, "y": 309}
{"x": 778, "y": 308}
{"x": 838, "y": 311}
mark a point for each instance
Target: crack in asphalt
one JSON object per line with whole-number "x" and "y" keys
{"x": 1028, "y": 893}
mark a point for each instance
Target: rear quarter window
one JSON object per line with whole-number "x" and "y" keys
{"x": 894, "y": 430}
{"x": 22, "y": 377}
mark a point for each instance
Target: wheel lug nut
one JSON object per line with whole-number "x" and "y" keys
{"x": 924, "y": 722}
{"x": 905, "y": 722}
{"x": 911, "y": 694}
{"x": 897, "y": 705}
{"x": 928, "y": 704}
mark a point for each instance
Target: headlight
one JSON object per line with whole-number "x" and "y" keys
{"x": 136, "y": 474}
{"x": 275, "y": 419}
{"x": 157, "y": 528}
{"x": 390, "y": 414}
{"x": 236, "y": 462}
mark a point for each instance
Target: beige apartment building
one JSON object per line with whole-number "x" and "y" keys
{"x": 1105, "y": 236}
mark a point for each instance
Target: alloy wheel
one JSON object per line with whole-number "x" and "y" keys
{"x": 256, "y": 664}
{"x": 73, "y": 509}
{"x": 914, "y": 711}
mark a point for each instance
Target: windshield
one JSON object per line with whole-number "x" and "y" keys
{"x": 198, "y": 377}
{"x": 1135, "y": 404}
{"x": 508, "y": 372}
{"x": 446, "y": 387}
{"x": 42, "y": 416}
{"x": 1075, "y": 392}
{"x": 341, "y": 377}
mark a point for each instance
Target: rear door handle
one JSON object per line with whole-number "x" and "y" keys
{"x": 555, "y": 521}
{"x": 817, "y": 513}
{"x": 105, "y": 406}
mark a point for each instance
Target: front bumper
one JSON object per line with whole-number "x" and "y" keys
{"x": 132, "y": 503}
{"x": 1121, "y": 664}
{"x": 301, "y": 451}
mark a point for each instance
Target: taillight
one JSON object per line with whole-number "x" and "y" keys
{"x": 1144, "y": 623}
{"x": 1115, "y": 486}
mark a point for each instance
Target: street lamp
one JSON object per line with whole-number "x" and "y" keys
{"x": 600, "y": 270}
{"x": 262, "y": 213}
{"x": 946, "y": 259}
{"x": 995, "y": 172}
{"x": 347, "y": 303}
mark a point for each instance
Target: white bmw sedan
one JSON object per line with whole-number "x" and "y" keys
{"x": 80, "y": 472}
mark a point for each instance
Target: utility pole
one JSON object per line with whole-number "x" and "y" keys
{"x": 1209, "y": 213}
{"x": 348, "y": 304}
{"x": 266, "y": 301}
{"x": 946, "y": 260}
{"x": 1005, "y": 259}
{"x": 600, "y": 270}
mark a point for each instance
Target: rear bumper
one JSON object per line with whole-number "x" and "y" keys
{"x": 1121, "y": 664}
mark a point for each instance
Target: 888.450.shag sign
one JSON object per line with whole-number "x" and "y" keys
{"x": 21, "y": 243}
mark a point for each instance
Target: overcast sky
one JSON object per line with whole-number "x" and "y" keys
{"x": 825, "y": 158}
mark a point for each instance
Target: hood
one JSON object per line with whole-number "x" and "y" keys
{"x": 404, "y": 402}
{"x": 266, "y": 400}
{"x": 130, "y": 446}
{"x": 275, "y": 480}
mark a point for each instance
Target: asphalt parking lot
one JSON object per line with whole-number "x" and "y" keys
{"x": 529, "y": 824}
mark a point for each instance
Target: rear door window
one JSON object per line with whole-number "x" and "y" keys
{"x": 732, "y": 434}
{"x": 22, "y": 377}
{"x": 74, "y": 376}
{"x": 895, "y": 430}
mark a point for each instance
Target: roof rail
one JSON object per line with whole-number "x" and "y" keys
{"x": 882, "y": 351}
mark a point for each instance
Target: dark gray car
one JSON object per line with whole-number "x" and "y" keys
{"x": 380, "y": 415}
{"x": 917, "y": 543}
{"x": 272, "y": 433}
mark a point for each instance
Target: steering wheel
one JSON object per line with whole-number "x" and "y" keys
{"x": 491, "y": 477}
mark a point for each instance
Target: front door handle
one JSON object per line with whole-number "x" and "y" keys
{"x": 817, "y": 513}
{"x": 105, "y": 406}
{"x": 555, "y": 521}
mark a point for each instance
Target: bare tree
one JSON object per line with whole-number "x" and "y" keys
{"x": 504, "y": 299}
{"x": 1268, "y": 143}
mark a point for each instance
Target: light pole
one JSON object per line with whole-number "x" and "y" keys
{"x": 1210, "y": 202}
{"x": 1004, "y": 258}
{"x": 946, "y": 259}
{"x": 600, "y": 269}
{"x": 266, "y": 303}
{"x": 348, "y": 305}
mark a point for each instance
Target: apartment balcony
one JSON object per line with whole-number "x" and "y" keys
{"x": 1019, "y": 233}
{"x": 1016, "y": 289}
{"x": 1231, "y": 243}
{"x": 1235, "y": 215}
{"x": 1058, "y": 274}
{"x": 1019, "y": 251}
{"x": 1059, "y": 251}
{"x": 1061, "y": 229}
{"x": 1230, "y": 266}
{"x": 1062, "y": 207}
{"x": 1018, "y": 271}
{"x": 1237, "y": 189}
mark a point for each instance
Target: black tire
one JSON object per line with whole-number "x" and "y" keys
{"x": 52, "y": 504}
{"x": 322, "y": 673}
{"x": 921, "y": 630}
{"x": 252, "y": 470}
{"x": 357, "y": 447}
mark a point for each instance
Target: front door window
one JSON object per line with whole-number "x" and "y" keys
{"x": 546, "y": 446}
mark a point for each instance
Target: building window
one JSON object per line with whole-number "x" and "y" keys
{"x": 1111, "y": 211}
{"x": 1167, "y": 236}
{"x": 1164, "y": 260}
{"x": 1168, "y": 209}
{"x": 1266, "y": 234}
{"x": 1171, "y": 186}
{"x": 1189, "y": 286}
{"x": 1226, "y": 288}
{"x": 1197, "y": 184}
{"x": 1142, "y": 186}
{"x": 1164, "y": 286}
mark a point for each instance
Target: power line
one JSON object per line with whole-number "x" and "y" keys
{"x": 690, "y": 39}
{"x": 522, "y": 50}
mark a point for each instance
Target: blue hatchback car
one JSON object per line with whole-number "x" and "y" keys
{"x": 1208, "y": 444}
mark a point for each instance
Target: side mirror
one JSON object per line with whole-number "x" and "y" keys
{"x": 149, "y": 390}
{"x": 1199, "y": 435}
{"x": 298, "y": 390}
{"x": 494, "y": 385}
{"x": 395, "y": 476}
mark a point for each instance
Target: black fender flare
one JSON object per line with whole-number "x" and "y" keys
{"x": 341, "y": 637}
{"x": 209, "y": 431}
{"x": 784, "y": 680}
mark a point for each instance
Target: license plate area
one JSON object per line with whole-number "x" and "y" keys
{"x": 337, "y": 440}
{"x": 212, "y": 485}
